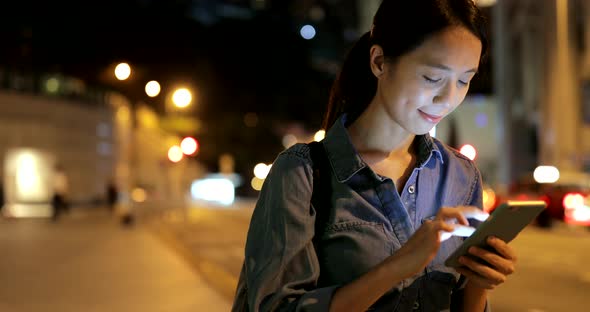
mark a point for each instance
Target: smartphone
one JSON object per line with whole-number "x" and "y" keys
{"x": 505, "y": 222}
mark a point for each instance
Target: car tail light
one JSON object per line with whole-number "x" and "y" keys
{"x": 575, "y": 209}
{"x": 573, "y": 201}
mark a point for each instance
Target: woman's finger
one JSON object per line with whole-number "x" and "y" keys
{"x": 440, "y": 225}
{"x": 493, "y": 276}
{"x": 475, "y": 278}
{"x": 471, "y": 212}
{"x": 462, "y": 213}
{"x": 446, "y": 213}
{"x": 502, "y": 248}
{"x": 503, "y": 265}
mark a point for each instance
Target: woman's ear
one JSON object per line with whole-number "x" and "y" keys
{"x": 377, "y": 60}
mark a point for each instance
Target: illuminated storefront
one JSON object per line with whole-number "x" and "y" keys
{"x": 28, "y": 182}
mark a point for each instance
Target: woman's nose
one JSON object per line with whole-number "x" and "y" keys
{"x": 445, "y": 95}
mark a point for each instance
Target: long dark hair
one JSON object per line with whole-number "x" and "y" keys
{"x": 399, "y": 26}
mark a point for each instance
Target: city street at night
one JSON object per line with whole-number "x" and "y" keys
{"x": 552, "y": 270}
{"x": 136, "y": 137}
{"x": 187, "y": 260}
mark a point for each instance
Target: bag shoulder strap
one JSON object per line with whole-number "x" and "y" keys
{"x": 320, "y": 197}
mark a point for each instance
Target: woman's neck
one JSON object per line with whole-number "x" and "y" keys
{"x": 376, "y": 135}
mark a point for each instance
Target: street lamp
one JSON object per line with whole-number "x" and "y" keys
{"x": 152, "y": 88}
{"x": 122, "y": 71}
{"x": 182, "y": 97}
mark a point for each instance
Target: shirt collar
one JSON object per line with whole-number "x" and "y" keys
{"x": 426, "y": 148}
{"x": 346, "y": 161}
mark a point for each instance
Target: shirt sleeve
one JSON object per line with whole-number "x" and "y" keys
{"x": 282, "y": 268}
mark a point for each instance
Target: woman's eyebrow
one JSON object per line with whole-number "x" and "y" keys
{"x": 446, "y": 68}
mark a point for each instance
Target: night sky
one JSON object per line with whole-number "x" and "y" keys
{"x": 238, "y": 64}
{"x": 164, "y": 40}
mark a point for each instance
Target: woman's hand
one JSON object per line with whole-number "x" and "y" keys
{"x": 501, "y": 264}
{"x": 415, "y": 254}
{"x": 422, "y": 247}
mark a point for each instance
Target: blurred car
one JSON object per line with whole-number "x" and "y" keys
{"x": 567, "y": 198}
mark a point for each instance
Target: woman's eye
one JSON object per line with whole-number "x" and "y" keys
{"x": 463, "y": 83}
{"x": 431, "y": 80}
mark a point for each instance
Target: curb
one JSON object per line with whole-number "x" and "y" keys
{"x": 222, "y": 281}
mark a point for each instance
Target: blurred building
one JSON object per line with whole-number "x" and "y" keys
{"x": 541, "y": 78}
{"x": 94, "y": 135}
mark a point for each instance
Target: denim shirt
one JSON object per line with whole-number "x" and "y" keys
{"x": 368, "y": 222}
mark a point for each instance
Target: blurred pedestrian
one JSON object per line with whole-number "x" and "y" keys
{"x": 60, "y": 192}
{"x": 1, "y": 200}
{"x": 391, "y": 189}
{"x": 112, "y": 194}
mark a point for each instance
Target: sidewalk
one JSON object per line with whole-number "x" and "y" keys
{"x": 211, "y": 239}
{"x": 88, "y": 262}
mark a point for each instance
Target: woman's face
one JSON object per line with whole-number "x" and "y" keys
{"x": 428, "y": 83}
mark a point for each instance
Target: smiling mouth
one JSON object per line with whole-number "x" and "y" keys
{"x": 430, "y": 118}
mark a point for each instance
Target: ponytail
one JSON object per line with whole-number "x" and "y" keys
{"x": 355, "y": 85}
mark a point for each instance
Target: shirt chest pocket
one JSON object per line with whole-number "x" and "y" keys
{"x": 350, "y": 249}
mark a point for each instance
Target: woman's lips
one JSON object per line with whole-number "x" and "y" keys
{"x": 430, "y": 118}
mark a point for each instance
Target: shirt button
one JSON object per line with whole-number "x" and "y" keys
{"x": 416, "y": 305}
{"x": 411, "y": 189}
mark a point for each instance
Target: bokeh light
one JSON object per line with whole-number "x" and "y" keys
{"x": 52, "y": 85}
{"x": 152, "y": 88}
{"x": 182, "y": 97}
{"x": 138, "y": 195}
{"x": 320, "y": 135}
{"x": 289, "y": 140}
{"x": 261, "y": 170}
{"x": 251, "y": 120}
{"x": 189, "y": 146}
{"x": 307, "y": 32}
{"x": 546, "y": 174}
{"x": 468, "y": 151}
{"x": 122, "y": 71}
{"x": 175, "y": 154}
{"x": 481, "y": 120}
{"x": 257, "y": 183}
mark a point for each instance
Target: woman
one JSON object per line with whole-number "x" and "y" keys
{"x": 394, "y": 189}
